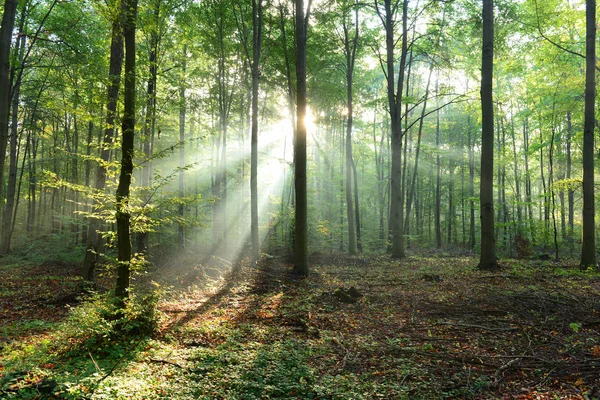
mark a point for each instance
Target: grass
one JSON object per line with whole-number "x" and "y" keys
{"x": 423, "y": 327}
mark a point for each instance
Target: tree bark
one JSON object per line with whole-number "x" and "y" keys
{"x": 350, "y": 47}
{"x": 182, "y": 110}
{"x": 301, "y": 216}
{"x": 394, "y": 96}
{"x": 94, "y": 241}
{"x": 14, "y": 139}
{"x": 6, "y": 31}
{"x": 257, "y": 26}
{"x": 487, "y": 259}
{"x": 588, "y": 248}
{"x": 127, "y": 148}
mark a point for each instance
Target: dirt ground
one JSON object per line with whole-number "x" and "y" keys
{"x": 420, "y": 327}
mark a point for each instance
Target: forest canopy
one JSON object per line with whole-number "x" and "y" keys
{"x": 393, "y": 126}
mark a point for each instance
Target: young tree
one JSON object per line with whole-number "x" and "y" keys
{"x": 350, "y": 43}
{"x": 128, "y": 126}
{"x": 253, "y": 55}
{"x": 588, "y": 248}
{"x": 487, "y": 259}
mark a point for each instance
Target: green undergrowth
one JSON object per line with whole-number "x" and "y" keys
{"x": 421, "y": 327}
{"x": 70, "y": 359}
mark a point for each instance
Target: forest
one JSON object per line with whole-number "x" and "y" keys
{"x": 298, "y": 199}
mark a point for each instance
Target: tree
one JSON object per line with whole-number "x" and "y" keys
{"x": 128, "y": 127}
{"x": 350, "y": 46}
{"x": 487, "y": 259}
{"x": 301, "y": 216}
{"x": 253, "y": 56}
{"x": 588, "y": 248}
{"x": 6, "y": 31}
{"x": 94, "y": 241}
{"x": 394, "y": 96}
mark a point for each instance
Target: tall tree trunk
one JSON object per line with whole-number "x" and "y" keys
{"x": 517, "y": 178}
{"x": 94, "y": 240}
{"x": 528, "y": 180}
{"x": 450, "y": 202}
{"x": 257, "y": 25}
{"x": 6, "y": 31}
{"x": 438, "y": 178}
{"x": 127, "y": 148}
{"x": 411, "y": 191}
{"x": 150, "y": 116}
{"x": 14, "y": 139}
{"x": 487, "y": 259}
{"x": 550, "y": 182}
{"x": 350, "y": 47}
{"x": 571, "y": 193}
{"x": 471, "y": 150}
{"x": 359, "y": 245}
{"x": 301, "y": 222}
{"x": 394, "y": 95}
{"x": 182, "y": 110}
{"x": 588, "y": 248}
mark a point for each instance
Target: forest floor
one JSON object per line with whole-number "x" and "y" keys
{"x": 357, "y": 328}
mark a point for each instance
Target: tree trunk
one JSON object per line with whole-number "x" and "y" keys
{"x": 487, "y": 259}
{"x": 350, "y": 47}
{"x": 14, "y": 139}
{"x": 394, "y": 96}
{"x": 588, "y": 248}
{"x": 127, "y": 148}
{"x": 6, "y": 31}
{"x": 150, "y": 117}
{"x": 182, "y": 110}
{"x": 94, "y": 240}
{"x": 470, "y": 145}
{"x": 571, "y": 193}
{"x": 257, "y": 25}
{"x": 301, "y": 223}
{"x": 438, "y": 179}
{"x": 411, "y": 191}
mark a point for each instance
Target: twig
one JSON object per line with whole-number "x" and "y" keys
{"x": 156, "y": 360}
{"x": 503, "y": 368}
{"x": 95, "y": 363}
{"x": 486, "y": 328}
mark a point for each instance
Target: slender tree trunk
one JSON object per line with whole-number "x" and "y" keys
{"x": 450, "y": 202}
{"x": 350, "y": 47}
{"x": 550, "y": 182}
{"x": 413, "y": 181}
{"x": 94, "y": 242}
{"x": 517, "y": 180}
{"x": 359, "y": 245}
{"x": 182, "y": 110}
{"x": 487, "y": 259}
{"x": 150, "y": 117}
{"x": 127, "y": 148}
{"x": 438, "y": 179}
{"x": 571, "y": 193}
{"x": 470, "y": 145}
{"x": 588, "y": 248}
{"x": 528, "y": 181}
{"x": 257, "y": 25}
